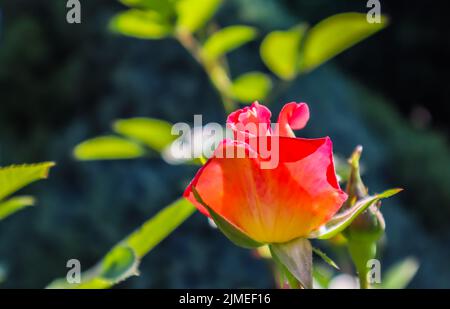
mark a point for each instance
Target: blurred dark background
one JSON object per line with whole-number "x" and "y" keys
{"x": 61, "y": 84}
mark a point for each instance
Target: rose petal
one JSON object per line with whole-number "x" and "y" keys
{"x": 293, "y": 116}
{"x": 250, "y": 121}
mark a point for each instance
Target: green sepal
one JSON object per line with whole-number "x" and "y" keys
{"x": 339, "y": 222}
{"x": 325, "y": 258}
{"x": 296, "y": 256}
{"x": 284, "y": 274}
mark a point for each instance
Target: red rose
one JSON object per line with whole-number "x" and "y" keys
{"x": 274, "y": 205}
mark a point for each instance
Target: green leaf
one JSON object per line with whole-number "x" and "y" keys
{"x": 341, "y": 221}
{"x": 141, "y": 24}
{"x": 233, "y": 233}
{"x": 325, "y": 257}
{"x": 14, "y": 204}
{"x": 400, "y": 274}
{"x": 250, "y": 87}
{"x": 334, "y": 35}
{"x": 122, "y": 260}
{"x": 280, "y": 51}
{"x": 226, "y": 40}
{"x": 154, "y": 133}
{"x": 15, "y": 177}
{"x": 107, "y": 148}
{"x": 194, "y": 14}
{"x": 296, "y": 256}
{"x": 159, "y": 227}
{"x": 119, "y": 264}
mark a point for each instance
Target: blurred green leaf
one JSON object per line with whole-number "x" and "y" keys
{"x": 234, "y": 234}
{"x": 342, "y": 220}
{"x": 87, "y": 283}
{"x": 280, "y": 51}
{"x": 322, "y": 276}
{"x": 159, "y": 227}
{"x": 119, "y": 264}
{"x": 161, "y": 6}
{"x": 122, "y": 260}
{"x": 3, "y": 273}
{"x": 15, "y": 177}
{"x": 165, "y": 8}
{"x": 107, "y": 148}
{"x": 226, "y": 40}
{"x": 155, "y": 133}
{"x": 140, "y": 3}
{"x": 400, "y": 274}
{"x": 252, "y": 86}
{"x": 141, "y": 24}
{"x": 14, "y": 204}
{"x": 335, "y": 34}
{"x": 194, "y": 14}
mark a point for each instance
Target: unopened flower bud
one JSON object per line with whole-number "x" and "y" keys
{"x": 369, "y": 225}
